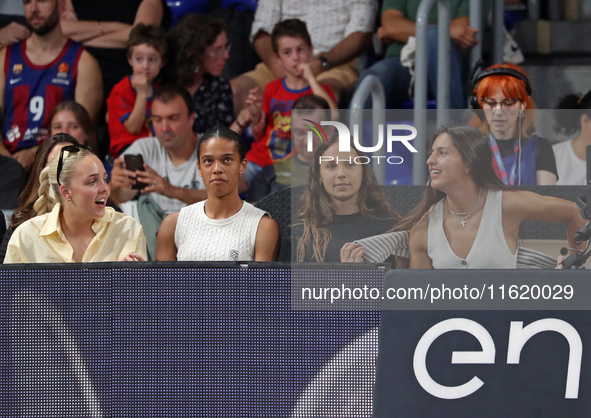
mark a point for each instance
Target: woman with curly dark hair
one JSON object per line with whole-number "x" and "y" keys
{"x": 342, "y": 203}
{"x": 573, "y": 117}
{"x": 200, "y": 50}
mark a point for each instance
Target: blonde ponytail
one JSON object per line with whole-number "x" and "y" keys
{"x": 46, "y": 200}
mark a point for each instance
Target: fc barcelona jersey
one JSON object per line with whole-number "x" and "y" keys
{"x": 32, "y": 91}
{"x": 278, "y": 99}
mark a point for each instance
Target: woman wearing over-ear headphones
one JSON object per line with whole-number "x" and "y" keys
{"x": 503, "y": 93}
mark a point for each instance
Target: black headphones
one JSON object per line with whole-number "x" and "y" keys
{"x": 474, "y": 80}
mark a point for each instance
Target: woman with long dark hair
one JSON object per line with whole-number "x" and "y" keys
{"x": 468, "y": 217}
{"x": 343, "y": 202}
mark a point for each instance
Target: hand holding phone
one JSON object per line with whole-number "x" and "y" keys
{"x": 135, "y": 162}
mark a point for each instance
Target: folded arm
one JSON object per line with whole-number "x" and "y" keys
{"x": 108, "y": 34}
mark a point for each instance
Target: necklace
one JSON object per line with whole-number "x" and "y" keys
{"x": 463, "y": 216}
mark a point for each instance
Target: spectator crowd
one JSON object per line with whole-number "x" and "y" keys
{"x": 121, "y": 139}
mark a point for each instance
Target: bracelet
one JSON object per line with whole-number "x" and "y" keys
{"x": 239, "y": 125}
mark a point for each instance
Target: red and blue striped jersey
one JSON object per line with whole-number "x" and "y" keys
{"x": 32, "y": 91}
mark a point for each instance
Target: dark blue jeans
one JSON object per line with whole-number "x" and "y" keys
{"x": 395, "y": 78}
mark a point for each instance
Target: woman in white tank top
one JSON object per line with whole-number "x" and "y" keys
{"x": 223, "y": 227}
{"x": 468, "y": 217}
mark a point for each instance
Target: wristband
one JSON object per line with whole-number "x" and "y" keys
{"x": 239, "y": 125}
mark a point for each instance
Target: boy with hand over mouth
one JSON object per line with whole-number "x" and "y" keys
{"x": 270, "y": 115}
{"x": 130, "y": 102}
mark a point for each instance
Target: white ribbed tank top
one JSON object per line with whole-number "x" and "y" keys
{"x": 490, "y": 249}
{"x": 199, "y": 238}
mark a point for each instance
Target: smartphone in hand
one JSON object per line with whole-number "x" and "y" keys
{"x": 135, "y": 162}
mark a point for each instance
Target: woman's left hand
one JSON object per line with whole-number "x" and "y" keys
{"x": 352, "y": 253}
{"x": 132, "y": 257}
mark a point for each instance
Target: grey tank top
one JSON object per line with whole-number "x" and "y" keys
{"x": 490, "y": 249}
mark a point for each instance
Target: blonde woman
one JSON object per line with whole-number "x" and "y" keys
{"x": 73, "y": 223}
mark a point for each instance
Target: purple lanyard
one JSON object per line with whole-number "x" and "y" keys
{"x": 495, "y": 149}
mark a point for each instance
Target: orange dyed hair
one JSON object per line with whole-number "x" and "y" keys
{"x": 512, "y": 88}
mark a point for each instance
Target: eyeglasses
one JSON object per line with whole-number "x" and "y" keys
{"x": 72, "y": 149}
{"x": 219, "y": 52}
{"x": 505, "y": 103}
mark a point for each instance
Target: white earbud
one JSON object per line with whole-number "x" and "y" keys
{"x": 521, "y": 111}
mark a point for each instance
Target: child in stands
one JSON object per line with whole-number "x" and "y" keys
{"x": 270, "y": 115}
{"x": 129, "y": 104}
